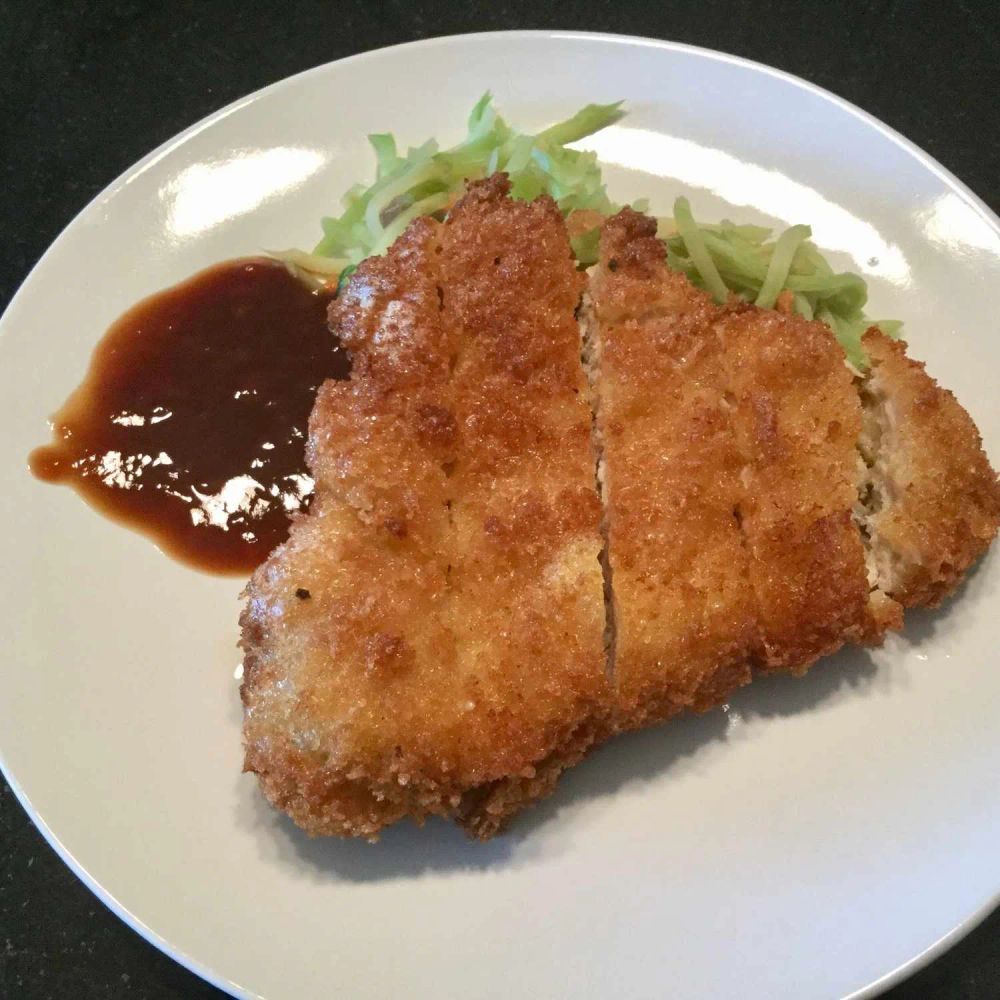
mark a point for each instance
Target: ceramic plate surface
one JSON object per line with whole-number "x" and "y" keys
{"x": 811, "y": 839}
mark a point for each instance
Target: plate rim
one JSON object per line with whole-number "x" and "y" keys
{"x": 891, "y": 978}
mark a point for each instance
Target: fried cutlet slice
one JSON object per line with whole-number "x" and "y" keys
{"x": 932, "y": 502}
{"x": 728, "y": 438}
{"x": 527, "y": 579}
{"x": 434, "y": 624}
{"x": 683, "y": 602}
{"x": 338, "y": 618}
{"x": 797, "y": 418}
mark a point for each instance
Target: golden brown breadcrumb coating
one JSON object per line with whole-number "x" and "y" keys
{"x": 528, "y": 589}
{"x": 452, "y": 632}
{"x": 683, "y": 602}
{"x": 797, "y": 417}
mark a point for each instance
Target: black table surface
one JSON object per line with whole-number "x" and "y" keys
{"x": 88, "y": 88}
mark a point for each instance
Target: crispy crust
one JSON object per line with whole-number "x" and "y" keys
{"x": 485, "y": 811}
{"x": 936, "y": 501}
{"x": 683, "y": 601}
{"x": 452, "y": 636}
{"x": 797, "y": 418}
{"x": 525, "y": 514}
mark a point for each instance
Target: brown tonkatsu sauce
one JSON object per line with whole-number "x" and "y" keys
{"x": 191, "y": 422}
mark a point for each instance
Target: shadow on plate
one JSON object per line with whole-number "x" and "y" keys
{"x": 407, "y": 851}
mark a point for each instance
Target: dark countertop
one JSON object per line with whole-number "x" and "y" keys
{"x": 88, "y": 88}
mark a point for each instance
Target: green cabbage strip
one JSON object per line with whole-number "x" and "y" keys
{"x": 694, "y": 242}
{"x": 752, "y": 265}
{"x": 723, "y": 259}
{"x": 780, "y": 265}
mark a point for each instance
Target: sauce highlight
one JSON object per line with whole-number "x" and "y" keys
{"x": 191, "y": 422}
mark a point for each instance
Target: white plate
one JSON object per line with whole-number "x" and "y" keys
{"x": 810, "y": 840}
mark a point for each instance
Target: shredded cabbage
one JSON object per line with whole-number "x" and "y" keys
{"x": 728, "y": 258}
{"x": 426, "y": 180}
{"x": 724, "y": 258}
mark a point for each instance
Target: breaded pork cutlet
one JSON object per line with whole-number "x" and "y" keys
{"x": 528, "y": 590}
{"x": 797, "y": 417}
{"x": 434, "y": 625}
{"x": 763, "y": 505}
{"x": 445, "y": 631}
{"x": 682, "y": 605}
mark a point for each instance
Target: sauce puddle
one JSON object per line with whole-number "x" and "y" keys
{"x": 191, "y": 422}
